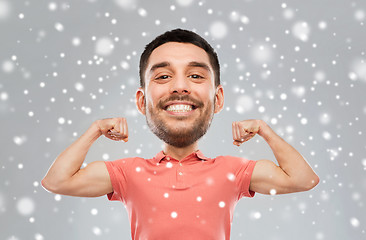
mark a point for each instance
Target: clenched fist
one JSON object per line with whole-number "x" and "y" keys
{"x": 245, "y": 130}
{"x": 113, "y": 128}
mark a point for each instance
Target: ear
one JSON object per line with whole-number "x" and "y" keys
{"x": 219, "y": 98}
{"x": 140, "y": 100}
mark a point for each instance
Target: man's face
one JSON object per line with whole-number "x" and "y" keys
{"x": 180, "y": 95}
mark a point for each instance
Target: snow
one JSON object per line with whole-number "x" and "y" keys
{"x": 288, "y": 13}
{"x": 174, "y": 215}
{"x": 255, "y": 215}
{"x": 301, "y": 31}
{"x": 262, "y": 53}
{"x": 244, "y": 104}
{"x": 25, "y": 206}
{"x": 355, "y": 222}
{"x": 231, "y": 176}
{"x": 8, "y": 66}
{"x": 300, "y": 69}
{"x": 126, "y": 4}
{"x": 94, "y": 211}
{"x": 59, "y": 27}
{"x": 104, "y": 46}
{"x": 184, "y": 3}
{"x": 79, "y": 86}
{"x": 4, "y": 96}
{"x": 5, "y": 10}
{"x": 218, "y": 29}
{"x": 76, "y": 42}
{"x": 359, "y": 15}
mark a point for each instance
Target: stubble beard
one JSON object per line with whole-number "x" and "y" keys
{"x": 184, "y": 136}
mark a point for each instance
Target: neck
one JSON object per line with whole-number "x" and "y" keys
{"x": 180, "y": 153}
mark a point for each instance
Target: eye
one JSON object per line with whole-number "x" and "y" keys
{"x": 163, "y": 77}
{"x": 195, "y": 76}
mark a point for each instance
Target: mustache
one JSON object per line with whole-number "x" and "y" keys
{"x": 197, "y": 103}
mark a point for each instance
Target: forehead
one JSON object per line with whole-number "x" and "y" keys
{"x": 179, "y": 53}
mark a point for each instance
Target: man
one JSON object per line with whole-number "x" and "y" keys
{"x": 180, "y": 193}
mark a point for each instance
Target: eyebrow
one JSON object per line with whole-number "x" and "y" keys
{"x": 159, "y": 65}
{"x": 200, "y": 64}
{"x": 190, "y": 64}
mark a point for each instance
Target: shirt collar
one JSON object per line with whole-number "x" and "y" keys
{"x": 197, "y": 155}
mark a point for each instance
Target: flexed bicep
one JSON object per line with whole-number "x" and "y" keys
{"x": 268, "y": 178}
{"x": 91, "y": 181}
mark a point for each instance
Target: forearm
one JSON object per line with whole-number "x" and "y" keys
{"x": 288, "y": 158}
{"x": 71, "y": 159}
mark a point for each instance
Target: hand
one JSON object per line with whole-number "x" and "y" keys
{"x": 245, "y": 130}
{"x": 113, "y": 128}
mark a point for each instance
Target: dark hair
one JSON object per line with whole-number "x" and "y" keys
{"x": 181, "y": 36}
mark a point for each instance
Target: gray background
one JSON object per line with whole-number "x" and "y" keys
{"x": 298, "y": 65}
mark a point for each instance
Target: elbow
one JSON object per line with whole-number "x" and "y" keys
{"x": 48, "y": 187}
{"x": 45, "y": 185}
{"x": 302, "y": 185}
{"x": 312, "y": 183}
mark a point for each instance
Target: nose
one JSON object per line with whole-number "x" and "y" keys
{"x": 180, "y": 85}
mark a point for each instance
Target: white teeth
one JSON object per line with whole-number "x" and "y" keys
{"x": 179, "y": 108}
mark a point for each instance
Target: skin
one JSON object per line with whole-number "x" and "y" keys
{"x": 179, "y": 77}
{"x": 172, "y": 73}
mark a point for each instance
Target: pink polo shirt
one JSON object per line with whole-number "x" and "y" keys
{"x": 193, "y": 198}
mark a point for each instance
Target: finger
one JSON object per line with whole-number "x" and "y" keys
{"x": 237, "y": 143}
{"x": 237, "y": 136}
{"x": 116, "y": 126}
{"x": 123, "y": 135}
{"x": 234, "y": 131}
{"x": 114, "y": 136}
{"x": 126, "y": 127}
{"x": 254, "y": 128}
{"x": 114, "y": 133}
{"x": 121, "y": 130}
{"x": 237, "y": 130}
{"x": 250, "y": 136}
{"x": 246, "y": 138}
{"x": 125, "y": 130}
{"x": 240, "y": 132}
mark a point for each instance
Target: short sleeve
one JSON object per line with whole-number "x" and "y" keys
{"x": 117, "y": 170}
{"x": 243, "y": 176}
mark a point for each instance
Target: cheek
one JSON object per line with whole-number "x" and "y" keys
{"x": 209, "y": 96}
{"x": 153, "y": 96}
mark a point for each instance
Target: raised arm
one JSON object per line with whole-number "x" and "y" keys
{"x": 65, "y": 176}
{"x": 293, "y": 173}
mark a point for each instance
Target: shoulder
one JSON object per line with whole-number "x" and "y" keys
{"x": 233, "y": 159}
{"x": 234, "y": 162}
{"x": 125, "y": 162}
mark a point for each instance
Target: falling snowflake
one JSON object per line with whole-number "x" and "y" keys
{"x": 25, "y": 206}
{"x": 218, "y": 30}
{"x": 104, "y": 46}
{"x": 174, "y": 214}
{"x": 301, "y": 30}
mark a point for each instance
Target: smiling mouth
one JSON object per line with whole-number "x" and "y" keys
{"x": 180, "y": 108}
{"x": 180, "y": 105}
